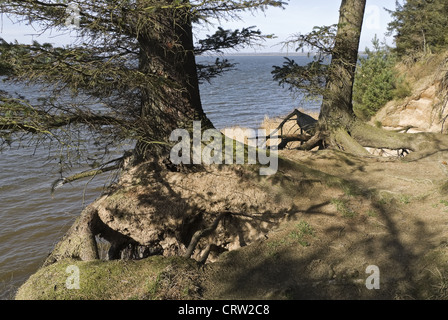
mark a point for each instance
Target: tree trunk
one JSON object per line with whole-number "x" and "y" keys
{"x": 336, "y": 116}
{"x": 338, "y": 126}
{"x": 166, "y": 47}
{"x": 337, "y": 108}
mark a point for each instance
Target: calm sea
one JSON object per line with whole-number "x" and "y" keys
{"x": 246, "y": 95}
{"x": 32, "y": 220}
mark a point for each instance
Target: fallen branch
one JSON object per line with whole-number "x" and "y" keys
{"x": 89, "y": 173}
{"x": 306, "y": 124}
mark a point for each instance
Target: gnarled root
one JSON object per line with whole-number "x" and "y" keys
{"x": 203, "y": 233}
{"x": 79, "y": 241}
{"x": 360, "y": 136}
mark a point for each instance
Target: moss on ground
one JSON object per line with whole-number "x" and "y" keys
{"x": 152, "y": 278}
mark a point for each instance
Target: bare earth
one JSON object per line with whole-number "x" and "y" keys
{"x": 397, "y": 220}
{"x": 311, "y": 231}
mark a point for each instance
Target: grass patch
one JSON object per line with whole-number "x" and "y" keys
{"x": 302, "y": 233}
{"x": 444, "y": 204}
{"x": 343, "y": 209}
{"x": 372, "y": 213}
{"x": 404, "y": 199}
{"x": 147, "y": 279}
{"x": 433, "y": 279}
{"x": 385, "y": 197}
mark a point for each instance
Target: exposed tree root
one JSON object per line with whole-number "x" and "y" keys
{"x": 203, "y": 233}
{"x": 358, "y": 136}
{"x": 79, "y": 242}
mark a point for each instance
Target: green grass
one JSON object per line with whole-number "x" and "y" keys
{"x": 302, "y": 233}
{"x": 404, "y": 199}
{"x": 151, "y": 278}
{"x": 343, "y": 209}
{"x": 372, "y": 213}
{"x": 444, "y": 203}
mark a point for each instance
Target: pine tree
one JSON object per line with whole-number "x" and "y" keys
{"x": 131, "y": 73}
{"x": 375, "y": 81}
{"x": 419, "y": 25}
{"x": 338, "y": 126}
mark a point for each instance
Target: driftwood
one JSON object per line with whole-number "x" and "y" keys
{"x": 306, "y": 124}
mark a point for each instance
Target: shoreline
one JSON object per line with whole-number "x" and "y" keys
{"x": 260, "y": 54}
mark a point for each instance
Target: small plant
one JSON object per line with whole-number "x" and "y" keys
{"x": 343, "y": 209}
{"x": 441, "y": 288}
{"x": 276, "y": 244}
{"x": 154, "y": 286}
{"x": 402, "y": 88}
{"x": 371, "y": 213}
{"x": 301, "y": 233}
{"x": 445, "y": 205}
{"x": 404, "y": 199}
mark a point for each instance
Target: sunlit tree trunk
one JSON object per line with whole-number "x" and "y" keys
{"x": 337, "y": 108}
{"x": 338, "y": 126}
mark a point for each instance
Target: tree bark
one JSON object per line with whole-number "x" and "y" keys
{"x": 79, "y": 241}
{"x": 336, "y": 116}
{"x": 167, "y": 52}
{"x": 338, "y": 126}
{"x": 337, "y": 108}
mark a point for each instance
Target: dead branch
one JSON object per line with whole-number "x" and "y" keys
{"x": 306, "y": 123}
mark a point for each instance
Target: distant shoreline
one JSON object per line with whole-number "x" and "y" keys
{"x": 265, "y": 54}
{"x": 261, "y": 54}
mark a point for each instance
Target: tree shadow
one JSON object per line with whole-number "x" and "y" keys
{"x": 334, "y": 265}
{"x": 161, "y": 214}
{"x": 271, "y": 264}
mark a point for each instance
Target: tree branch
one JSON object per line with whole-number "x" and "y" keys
{"x": 58, "y": 122}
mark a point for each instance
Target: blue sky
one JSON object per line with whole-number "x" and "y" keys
{"x": 299, "y": 17}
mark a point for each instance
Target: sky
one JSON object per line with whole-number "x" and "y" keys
{"x": 299, "y": 16}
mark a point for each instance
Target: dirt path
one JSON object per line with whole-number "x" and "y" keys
{"x": 395, "y": 219}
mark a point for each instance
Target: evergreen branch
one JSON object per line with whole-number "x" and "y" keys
{"x": 86, "y": 174}
{"x": 55, "y": 122}
{"x": 228, "y": 39}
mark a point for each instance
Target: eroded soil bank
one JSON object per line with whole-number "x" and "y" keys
{"x": 308, "y": 232}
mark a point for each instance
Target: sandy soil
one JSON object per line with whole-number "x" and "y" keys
{"x": 327, "y": 225}
{"x": 395, "y": 218}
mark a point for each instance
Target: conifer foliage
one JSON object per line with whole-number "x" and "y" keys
{"x": 419, "y": 25}
{"x": 130, "y": 75}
